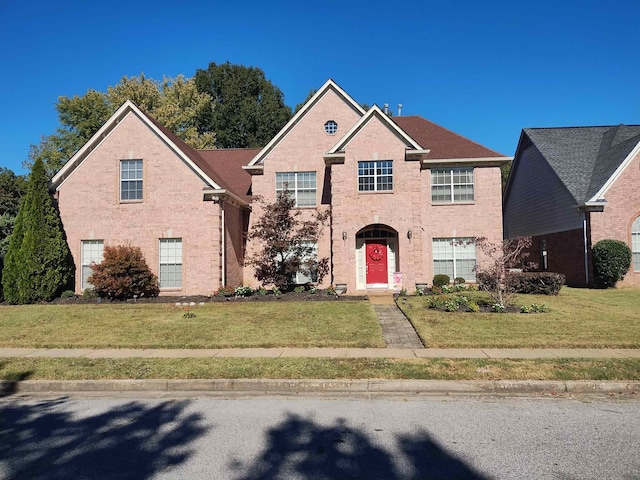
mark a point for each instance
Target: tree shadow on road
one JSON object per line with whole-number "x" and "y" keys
{"x": 45, "y": 440}
{"x": 301, "y": 448}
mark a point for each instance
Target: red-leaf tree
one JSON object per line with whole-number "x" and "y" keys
{"x": 288, "y": 244}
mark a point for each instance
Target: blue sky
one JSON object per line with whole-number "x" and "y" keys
{"x": 484, "y": 69}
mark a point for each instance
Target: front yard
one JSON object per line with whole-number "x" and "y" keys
{"x": 577, "y": 318}
{"x": 215, "y": 325}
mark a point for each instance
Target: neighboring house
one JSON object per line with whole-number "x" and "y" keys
{"x": 572, "y": 187}
{"x": 137, "y": 183}
{"x": 405, "y": 196}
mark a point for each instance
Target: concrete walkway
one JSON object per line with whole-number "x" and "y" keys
{"x": 396, "y": 329}
{"x": 497, "y": 353}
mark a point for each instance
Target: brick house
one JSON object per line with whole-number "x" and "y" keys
{"x": 401, "y": 192}
{"x": 572, "y": 187}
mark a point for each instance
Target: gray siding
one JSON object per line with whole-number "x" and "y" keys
{"x": 537, "y": 202}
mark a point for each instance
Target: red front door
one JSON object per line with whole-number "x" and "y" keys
{"x": 377, "y": 262}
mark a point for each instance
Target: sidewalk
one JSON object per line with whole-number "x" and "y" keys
{"x": 399, "y": 353}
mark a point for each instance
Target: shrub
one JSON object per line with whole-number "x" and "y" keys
{"x": 611, "y": 262}
{"x": 225, "y": 292}
{"x": 330, "y": 291}
{"x": 123, "y": 274}
{"x": 298, "y": 289}
{"x": 536, "y": 283}
{"x": 441, "y": 280}
{"x": 459, "y": 281}
{"x": 244, "y": 291}
{"x": 89, "y": 294}
{"x": 261, "y": 290}
{"x": 67, "y": 294}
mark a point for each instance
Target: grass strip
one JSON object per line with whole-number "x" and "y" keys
{"x": 318, "y": 368}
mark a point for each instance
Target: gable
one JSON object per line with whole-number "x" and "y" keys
{"x": 330, "y": 102}
{"x": 586, "y": 158}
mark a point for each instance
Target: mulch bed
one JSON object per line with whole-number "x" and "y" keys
{"x": 269, "y": 297}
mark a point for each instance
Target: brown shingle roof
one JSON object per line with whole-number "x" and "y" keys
{"x": 227, "y": 164}
{"x": 223, "y": 166}
{"x": 443, "y": 143}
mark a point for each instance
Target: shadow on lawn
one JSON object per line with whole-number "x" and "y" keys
{"x": 301, "y": 448}
{"x": 45, "y": 440}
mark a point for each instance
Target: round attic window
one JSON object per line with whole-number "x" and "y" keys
{"x": 331, "y": 127}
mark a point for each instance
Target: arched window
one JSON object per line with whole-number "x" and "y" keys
{"x": 635, "y": 244}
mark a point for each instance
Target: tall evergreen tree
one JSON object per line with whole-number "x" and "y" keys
{"x": 38, "y": 262}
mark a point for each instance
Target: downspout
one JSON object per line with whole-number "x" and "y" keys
{"x": 586, "y": 248}
{"x": 223, "y": 257}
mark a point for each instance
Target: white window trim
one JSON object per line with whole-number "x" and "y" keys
{"x": 454, "y": 244}
{"x": 452, "y": 184}
{"x": 141, "y": 179}
{"x": 166, "y": 263}
{"x": 635, "y": 245}
{"x": 294, "y": 191}
{"x": 90, "y": 261}
{"x": 375, "y": 176}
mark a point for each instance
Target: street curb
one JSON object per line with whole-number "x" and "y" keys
{"x": 295, "y": 387}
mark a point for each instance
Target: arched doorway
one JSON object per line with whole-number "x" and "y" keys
{"x": 376, "y": 256}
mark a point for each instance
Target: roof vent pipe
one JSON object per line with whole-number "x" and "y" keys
{"x": 386, "y": 109}
{"x": 399, "y": 109}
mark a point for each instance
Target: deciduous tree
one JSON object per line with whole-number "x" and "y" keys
{"x": 287, "y": 244}
{"x": 248, "y": 109}
{"x": 492, "y": 273}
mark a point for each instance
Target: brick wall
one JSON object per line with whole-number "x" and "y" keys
{"x": 623, "y": 208}
{"x": 172, "y": 206}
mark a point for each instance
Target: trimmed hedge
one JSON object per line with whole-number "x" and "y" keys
{"x": 441, "y": 280}
{"x": 611, "y": 262}
{"x": 535, "y": 283}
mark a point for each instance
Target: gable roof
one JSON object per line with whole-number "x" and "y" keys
{"x": 442, "y": 143}
{"x": 201, "y": 167}
{"x": 329, "y": 85}
{"x": 386, "y": 120}
{"x": 586, "y": 159}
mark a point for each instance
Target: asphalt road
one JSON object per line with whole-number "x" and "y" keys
{"x": 311, "y": 438}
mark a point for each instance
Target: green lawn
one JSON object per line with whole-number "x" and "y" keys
{"x": 577, "y": 318}
{"x": 18, "y": 369}
{"x": 215, "y": 325}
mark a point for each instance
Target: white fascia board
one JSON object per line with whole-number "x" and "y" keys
{"x": 222, "y": 192}
{"x": 479, "y": 160}
{"x": 97, "y": 138}
{"x": 600, "y": 194}
{"x": 373, "y": 111}
{"x": 254, "y": 169}
{"x": 329, "y": 84}
{"x": 121, "y": 114}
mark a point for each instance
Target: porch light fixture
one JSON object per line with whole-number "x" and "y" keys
{"x": 410, "y": 234}
{"x": 344, "y": 235}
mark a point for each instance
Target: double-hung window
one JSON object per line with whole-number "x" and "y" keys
{"x": 130, "y": 180}
{"x": 301, "y": 185}
{"x": 170, "y": 263}
{"x": 92, "y": 252}
{"x": 309, "y": 271}
{"x": 455, "y": 257}
{"x": 635, "y": 244}
{"x": 375, "y": 176}
{"x": 452, "y": 185}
